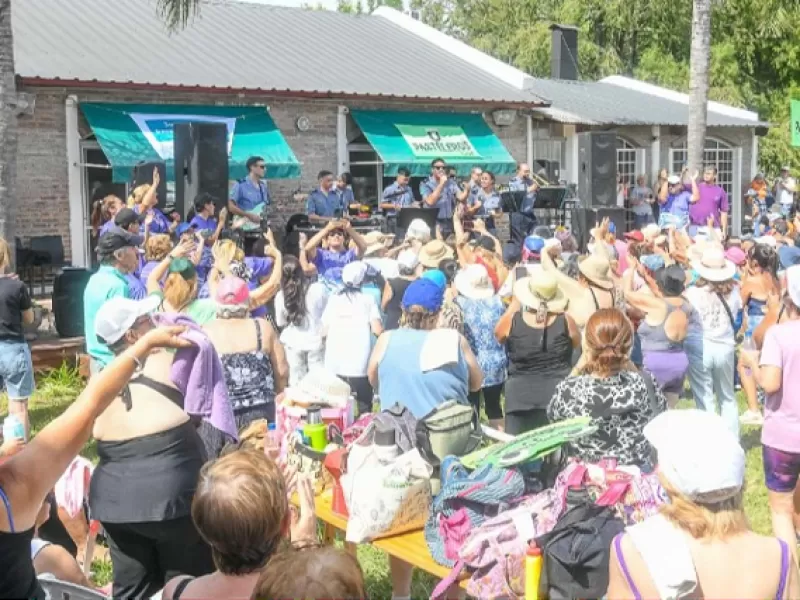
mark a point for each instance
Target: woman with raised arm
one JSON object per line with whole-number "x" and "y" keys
{"x": 27, "y": 477}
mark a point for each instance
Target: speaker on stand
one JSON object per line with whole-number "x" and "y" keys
{"x": 67, "y": 300}
{"x": 597, "y": 176}
{"x": 201, "y": 163}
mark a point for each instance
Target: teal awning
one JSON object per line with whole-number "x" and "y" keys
{"x": 414, "y": 139}
{"x": 131, "y": 133}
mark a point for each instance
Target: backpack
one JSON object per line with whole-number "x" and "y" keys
{"x": 577, "y": 551}
{"x": 466, "y": 501}
{"x": 496, "y": 550}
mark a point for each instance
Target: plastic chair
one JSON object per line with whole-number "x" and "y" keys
{"x": 46, "y": 254}
{"x": 61, "y": 590}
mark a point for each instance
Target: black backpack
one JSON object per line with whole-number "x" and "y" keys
{"x": 577, "y": 552}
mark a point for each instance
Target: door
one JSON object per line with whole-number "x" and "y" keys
{"x": 97, "y": 184}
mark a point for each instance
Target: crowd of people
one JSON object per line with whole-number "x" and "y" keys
{"x": 194, "y": 337}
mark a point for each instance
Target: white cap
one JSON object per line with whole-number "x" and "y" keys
{"x": 550, "y": 242}
{"x": 793, "y": 284}
{"x": 767, "y": 240}
{"x": 697, "y": 454}
{"x": 353, "y": 274}
{"x": 674, "y": 179}
{"x": 408, "y": 260}
{"x": 117, "y": 316}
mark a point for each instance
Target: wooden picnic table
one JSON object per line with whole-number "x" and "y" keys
{"x": 409, "y": 547}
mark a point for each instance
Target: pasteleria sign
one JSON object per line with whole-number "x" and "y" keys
{"x": 444, "y": 142}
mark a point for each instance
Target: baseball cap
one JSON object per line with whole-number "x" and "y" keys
{"x": 436, "y": 276}
{"x": 697, "y": 454}
{"x": 115, "y": 239}
{"x": 636, "y": 236}
{"x": 408, "y": 260}
{"x": 512, "y": 253}
{"x": 232, "y": 291}
{"x": 612, "y": 227}
{"x": 353, "y": 273}
{"x": 116, "y": 317}
{"x": 424, "y": 293}
{"x": 736, "y": 255}
{"x": 183, "y": 228}
{"x": 127, "y": 217}
{"x": 673, "y": 179}
{"x": 533, "y": 243}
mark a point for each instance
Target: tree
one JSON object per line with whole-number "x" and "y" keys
{"x": 698, "y": 81}
{"x": 8, "y": 127}
{"x": 395, "y": 4}
{"x": 177, "y": 13}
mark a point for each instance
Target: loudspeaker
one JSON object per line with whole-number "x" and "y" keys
{"x": 143, "y": 173}
{"x": 201, "y": 163}
{"x": 68, "y": 301}
{"x": 583, "y": 220}
{"x": 597, "y": 177}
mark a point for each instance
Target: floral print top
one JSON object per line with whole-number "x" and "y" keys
{"x": 480, "y": 318}
{"x": 249, "y": 376}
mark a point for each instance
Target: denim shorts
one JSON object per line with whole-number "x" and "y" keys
{"x": 16, "y": 369}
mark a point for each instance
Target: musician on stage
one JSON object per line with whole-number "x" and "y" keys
{"x": 442, "y": 191}
{"x": 523, "y": 182}
{"x": 487, "y": 201}
{"x": 396, "y": 196}
{"x": 474, "y": 184}
{"x": 250, "y": 195}
{"x": 323, "y": 204}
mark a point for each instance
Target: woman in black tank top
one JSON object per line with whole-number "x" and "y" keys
{"x": 395, "y": 288}
{"x": 26, "y": 480}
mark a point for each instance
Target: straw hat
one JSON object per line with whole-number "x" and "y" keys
{"x": 596, "y": 270}
{"x": 434, "y": 252}
{"x": 319, "y": 387}
{"x": 713, "y": 266}
{"x": 473, "y": 282}
{"x": 376, "y": 241}
{"x": 540, "y": 288}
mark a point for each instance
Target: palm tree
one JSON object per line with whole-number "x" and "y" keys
{"x": 8, "y": 125}
{"x": 177, "y": 13}
{"x": 698, "y": 81}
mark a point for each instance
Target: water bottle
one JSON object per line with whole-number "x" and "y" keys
{"x": 13, "y": 428}
{"x": 272, "y": 442}
{"x": 749, "y": 346}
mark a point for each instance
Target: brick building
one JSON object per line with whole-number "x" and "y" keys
{"x": 311, "y": 72}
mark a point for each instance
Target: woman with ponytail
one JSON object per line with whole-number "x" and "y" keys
{"x": 103, "y": 213}
{"x": 760, "y": 281}
{"x": 298, "y": 312}
{"x": 608, "y": 388}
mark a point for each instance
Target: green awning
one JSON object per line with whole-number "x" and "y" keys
{"x": 414, "y": 139}
{"x": 131, "y": 133}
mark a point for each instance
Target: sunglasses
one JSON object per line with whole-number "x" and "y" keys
{"x": 438, "y": 168}
{"x": 261, "y": 166}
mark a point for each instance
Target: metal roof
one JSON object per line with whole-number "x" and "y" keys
{"x": 602, "y": 103}
{"x": 244, "y": 46}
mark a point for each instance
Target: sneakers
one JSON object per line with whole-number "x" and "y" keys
{"x": 751, "y": 417}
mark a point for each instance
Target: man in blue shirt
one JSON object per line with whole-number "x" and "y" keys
{"x": 250, "y": 196}
{"x": 441, "y": 191}
{"x": 675, "y": 201}
{"x": 398, "y": 195}
{"x": 323, "y": 203}
{"x": 523, "y": 182}
{"x": 118, "y": 258}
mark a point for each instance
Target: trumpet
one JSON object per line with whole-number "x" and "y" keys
{"x": 540, "y": 180}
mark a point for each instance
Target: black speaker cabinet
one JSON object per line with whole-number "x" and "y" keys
{"x": 597, "y": 176}
{"x": 201, "y": 163}
{"x": 143, "y": 173}
{"x": 68, "y": 301}
{"x": 583, "y": 220}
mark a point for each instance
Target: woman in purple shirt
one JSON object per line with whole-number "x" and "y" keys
{"x": 143, "y": 200}
{"x": 329, "y": 261}
{"x": 205, "y": 223}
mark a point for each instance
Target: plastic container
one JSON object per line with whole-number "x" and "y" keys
{"x": 13, "y": 428}
{"x": 317, "y": 435}
{"x": 533, "y": 572}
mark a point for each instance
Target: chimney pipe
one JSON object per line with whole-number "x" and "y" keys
{"x": 564, "y": 53}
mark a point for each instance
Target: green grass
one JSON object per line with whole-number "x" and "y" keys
{"x": 59, "y": 388}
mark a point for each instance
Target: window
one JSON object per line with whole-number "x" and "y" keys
{"x": 626, "y": 161}
{"x": 716, "y": 153}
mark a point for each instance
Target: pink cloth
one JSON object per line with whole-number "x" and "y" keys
{"x": 622, "y": 256}
{"x": 72, "y": 488}
{"x": 781, "y": 429}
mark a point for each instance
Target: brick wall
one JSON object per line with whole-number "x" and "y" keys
{"x": 42, "y": 161}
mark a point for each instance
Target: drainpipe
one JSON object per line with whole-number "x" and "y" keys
{"x": 78, "y": 219}
{"x": 529, "y": 123}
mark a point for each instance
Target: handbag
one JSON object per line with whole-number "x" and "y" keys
{"x": 308, "y": 462}
{"x": 450, "y": 429}
{"x": 633, "y": 495}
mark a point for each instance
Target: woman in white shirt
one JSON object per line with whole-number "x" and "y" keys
{"x": 298, "y": 312}
{"x": 716, "y": 299}
{"x": 350, "y": 320}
